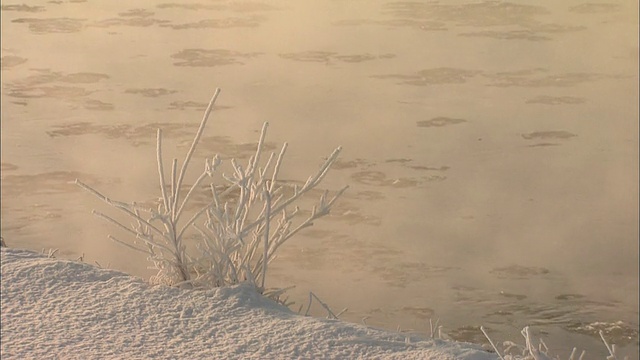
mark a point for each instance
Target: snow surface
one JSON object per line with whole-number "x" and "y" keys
{"x": 60, "y": 309}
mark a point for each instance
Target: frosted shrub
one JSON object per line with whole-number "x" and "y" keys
{"x": 240, "y": 229}
{"x": 529, "y": 351}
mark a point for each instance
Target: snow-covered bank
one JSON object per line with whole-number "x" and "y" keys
{"x": 54, "y": 308}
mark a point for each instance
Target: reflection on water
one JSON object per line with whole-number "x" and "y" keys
{"x": 369, "y": 175}
{"x": 139, "y": 13}
{"x": 146, "y": 135}
{"x": 194, "y": 105}
{"x": 93, "y": 104}
{"x": 45, "y": 84}
{"x": 11, "y": 61}
{"x": 227, "y": 149}
{"x": 528, "y": 78}
{"x": 481, "y": 14}
{"x": 134, "y": 18}
{"x": 544, "y": 135}
{"x": 518, "y": 271}
{"x": 530, "y": 35}
{"x": 8, "y": 167}
{"x": 57, "y": 182}
{"x": 405, "y": 274}
{"x": 140, "y": 17}
{"x": 593, "y": 8}
{"x": 53, "y": 25}
{"x": 416, "y": 24}
{"x": 151, "y": 92}
{"x": 326, "y": 57}
{"x": 556, "y": 100}
{"x": 440, "y": 121}
{"x": 378, "y": 178}
{"x": 438, "y": 76}
{"x": 138, "y": 135}
{"x": 225, "y": 23}
{"x": 23, "y": 7}
{"x": 55, "y": 91}
{"x": 45, "y": 76}
{"x": 232, "y": 6}
{"x": 490, "y": 146}
{"x": 522, "y": 78}
{"x": 351, "y": 164}
{"x": 216, "y": 57}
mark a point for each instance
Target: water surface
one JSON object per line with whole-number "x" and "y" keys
{"x": 491, "y": 148}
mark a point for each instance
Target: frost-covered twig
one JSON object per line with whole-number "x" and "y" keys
{"x": 242, "y": 236}
{"x": 331, "y": 315}
{"x": 491, "y": 342}
{"x": 435, "y": 328}
{"x": 611, "y": 348}
{"x": 530, "y": 352}
{"x": 573, "y": 354}
{"x": 51, "y": 253}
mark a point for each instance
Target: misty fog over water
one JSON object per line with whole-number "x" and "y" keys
{"x": 491, "y": 147}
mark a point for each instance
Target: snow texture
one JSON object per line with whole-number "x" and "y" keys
{"x": 60, "y": 309}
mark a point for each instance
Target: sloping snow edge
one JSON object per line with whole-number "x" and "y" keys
{"x": 53, "y": 308}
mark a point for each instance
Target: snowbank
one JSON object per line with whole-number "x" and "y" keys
{"x": 54, "y": 308}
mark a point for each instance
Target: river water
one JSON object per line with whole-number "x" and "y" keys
{"x": 491, "y": 147}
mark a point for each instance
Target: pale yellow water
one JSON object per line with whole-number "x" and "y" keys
{"x": 491, "y": 148}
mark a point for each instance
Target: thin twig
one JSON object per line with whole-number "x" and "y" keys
{"x": 196, "y": 139}
{"x": 491, "y": 342}
{"x": 163, "y": 187}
